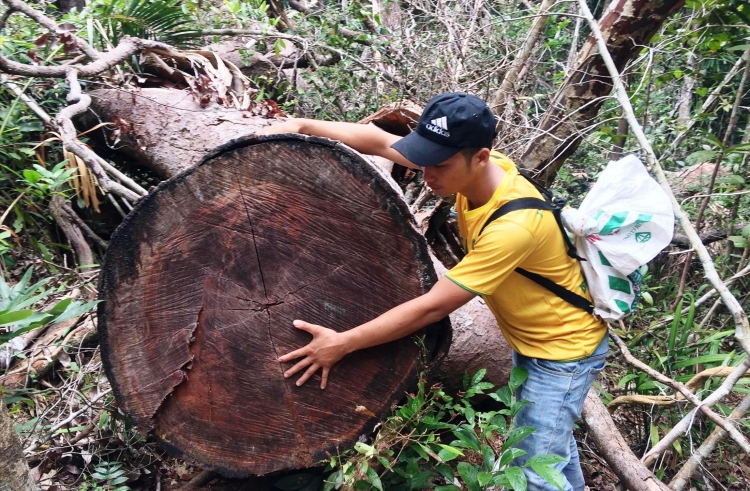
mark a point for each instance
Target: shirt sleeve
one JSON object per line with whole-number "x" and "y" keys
{"x": 497, "y": 252}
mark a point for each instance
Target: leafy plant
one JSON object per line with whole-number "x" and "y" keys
{"x": 17, "y": 314}
{"x": 111, "y": 475}
{"x": 150, "y": 19}
{"x": 415, "y": 447}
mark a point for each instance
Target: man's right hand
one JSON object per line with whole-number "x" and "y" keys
{"x": 326, "y": 348}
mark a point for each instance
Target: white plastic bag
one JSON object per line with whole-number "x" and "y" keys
{"x": 625, "y": 220}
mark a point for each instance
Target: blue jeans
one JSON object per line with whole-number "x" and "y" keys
{"x": 556, "y": 391}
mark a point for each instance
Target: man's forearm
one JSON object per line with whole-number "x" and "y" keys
{"x": 364, "y": 138}
{"x": 398, "y": 322}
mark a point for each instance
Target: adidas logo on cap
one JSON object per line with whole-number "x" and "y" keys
{"x": 439, "y": 126}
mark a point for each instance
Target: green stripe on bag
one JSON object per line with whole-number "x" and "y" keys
{"x": 625, "y": 308}
{"x": 614, "y": 223}
{"x": 619, "y": 284}
{"x": 603, "y": 259}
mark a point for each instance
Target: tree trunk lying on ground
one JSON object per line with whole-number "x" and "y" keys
{"x": 155, "y": 117}
{"x": 201, "y": 284}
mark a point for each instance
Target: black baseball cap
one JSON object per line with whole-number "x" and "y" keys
{"x": 449, "y": 123}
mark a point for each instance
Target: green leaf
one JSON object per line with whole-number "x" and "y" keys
{"x": 448, "y": 453}
{"x": 546, "y": 459}
{"x": 516, "y": 478}
{"x": 60, "y": 307}
{"x": 446, "y": 471}
{"x": 76, "y": 310}
{"x": 503, "y": 395}
{"x": 654, "y": 434}
{"x": 467, "y": 437}
{"x": 31, "y": 176}
{"x": 550, "y": 474}
{"x": 718, "y": 358}
{"x": 449, "y": 487}
{"x": 700, "y": 156}
{"x": 517, "y": 377}
{"x": 13, "y": 317}
{"x": 468, "y": 473}
{"x": 488, "y": 456}
{"x": 517, "y": 435}
{"x": 478, "y": 376}
{"x": 366, "y": 450}
{"x": 373, "y": 477}
{"x": 510, "y": 454}
{"x": 484, "y": 478}
{"x": 675, "y": 326}
{"x": 738, "y": 241}
{"x": 646, "y": 296}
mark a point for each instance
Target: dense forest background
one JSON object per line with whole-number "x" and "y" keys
{"x": 70, "y": 171}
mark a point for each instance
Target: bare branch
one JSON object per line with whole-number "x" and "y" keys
{"x": 295, "y": 39}
{"x": 614, "y": 448}
{"x": 41, "y": 113}
{"x": 684, "y": 425}
{"x": 128, "y": 46}
{"x": 501, "y": 98}
{"x": 708, "y": 105}
{"x": 682, "y": 389}
{"x": 682, "y": 479}
{"x": 81, "y": 102}
{"x": 6, "y": 15}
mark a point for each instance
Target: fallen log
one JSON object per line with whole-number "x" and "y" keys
{"x": 615, "y": 450}
{"x": 201, "y": 283}
{"x": 167, "y": 131}
{"x": 42, "y": 356}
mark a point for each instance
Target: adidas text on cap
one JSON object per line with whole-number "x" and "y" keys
{"x": 449, "y": 123}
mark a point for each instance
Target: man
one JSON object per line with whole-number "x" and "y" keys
{"x": 562, "y": 347}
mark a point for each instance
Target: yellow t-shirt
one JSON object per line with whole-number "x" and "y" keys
{"x": 535, "y": 322}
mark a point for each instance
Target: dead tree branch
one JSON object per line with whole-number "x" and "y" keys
{"x": 502, "y": 96}
{"x": 79, "y": 103}
{"x": 719, "y": 157}
{"x": 682, "y": 479}
{"x": 682, "y": 389}
{"x": 83, "y": 253}
{"x": 684, "y": 425}
{"x": 694, "y": 383}
{"x": 708, "y": 105}
{"x": 127, "y": 47}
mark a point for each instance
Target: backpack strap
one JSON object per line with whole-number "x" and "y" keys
{"x": 572, "y": 298}
{"x": 555, "y": 205}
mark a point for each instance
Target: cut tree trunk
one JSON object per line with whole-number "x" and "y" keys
{"x": 203, "y": 279}
{"x": 154, "y": 116}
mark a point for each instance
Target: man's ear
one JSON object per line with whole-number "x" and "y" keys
{"x": 482, "y": 157}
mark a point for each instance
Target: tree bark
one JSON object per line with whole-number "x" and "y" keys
{"x": 627, "y": 25}
{"x": 166, "y": 130}
{"x": 615, "y": 450}
{"x": 203, "y": 279}
{"x": 14, "y": 471}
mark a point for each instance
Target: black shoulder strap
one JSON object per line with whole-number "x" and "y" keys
{"x": 571, "y": 297}
{"x": 555, "y": 205}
